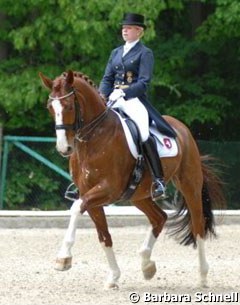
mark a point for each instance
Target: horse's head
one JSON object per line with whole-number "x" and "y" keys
{"x": 64, "y": 108}
{"x": 76, "y": 107}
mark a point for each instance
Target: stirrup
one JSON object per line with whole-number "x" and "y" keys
{"x": 71, "y": 194}
{"x": 158, "y": 190}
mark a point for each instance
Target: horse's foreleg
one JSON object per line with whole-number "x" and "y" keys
{"x": 98, "y": 216}
{"x": 64, "y": 257}
{"x": 157, "y": 219}
{"x": 114, "y": 274}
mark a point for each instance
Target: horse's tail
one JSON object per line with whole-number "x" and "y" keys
{"x": 212, "y": 193}
{"x": 212, "y": 198}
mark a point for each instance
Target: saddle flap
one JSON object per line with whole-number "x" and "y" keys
{"x": 166, "y": 146}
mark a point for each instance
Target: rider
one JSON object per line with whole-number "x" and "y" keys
{"x": 126, "y": 79}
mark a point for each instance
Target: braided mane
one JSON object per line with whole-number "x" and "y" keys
{"x": 83, "y": 76}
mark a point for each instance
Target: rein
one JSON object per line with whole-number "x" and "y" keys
{"x": 83, "y": 132}
{"x": 78, "y": 126}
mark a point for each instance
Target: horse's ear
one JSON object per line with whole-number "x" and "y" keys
{"x": 69, "y": 78}
{"x": 47, "y": 82}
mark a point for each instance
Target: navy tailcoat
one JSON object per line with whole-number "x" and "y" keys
{"x": 132, "y": 73}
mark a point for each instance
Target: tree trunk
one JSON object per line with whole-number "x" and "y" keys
{"x": 195, "y": 15}
{"x": 3, "y": 46}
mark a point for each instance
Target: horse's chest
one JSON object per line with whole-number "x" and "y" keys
{"x": 90, "y": 171}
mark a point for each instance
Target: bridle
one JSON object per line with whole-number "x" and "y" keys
{"x": 81, "y": 129}
{"x": 78, "y": 122}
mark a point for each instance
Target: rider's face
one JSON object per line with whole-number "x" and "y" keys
{"x": 131, "y": 33}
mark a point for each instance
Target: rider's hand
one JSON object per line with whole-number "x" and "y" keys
{"x": 116, "y": 94}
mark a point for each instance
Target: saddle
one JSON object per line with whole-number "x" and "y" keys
{"x": 166, "y": 142}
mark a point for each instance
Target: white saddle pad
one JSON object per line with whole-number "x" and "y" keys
{"x": 166, "y": 146}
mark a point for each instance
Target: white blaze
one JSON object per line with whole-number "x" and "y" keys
{"x": 62, "y": 143}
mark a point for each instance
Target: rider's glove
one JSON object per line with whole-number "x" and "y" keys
{"x": 116, "y": 94}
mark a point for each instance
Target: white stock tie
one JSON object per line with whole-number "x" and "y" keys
{"x": 126, "y": 48}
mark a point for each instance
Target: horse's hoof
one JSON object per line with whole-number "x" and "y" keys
{"x": 63, "y": 264}
{"x": 203, "y": 277}
{"x": 204, "y": 283}
{"x": 149, "y": 270}
{"x": 111, "y": 286}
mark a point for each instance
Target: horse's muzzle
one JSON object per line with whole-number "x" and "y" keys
{"x": 66, "y": 152}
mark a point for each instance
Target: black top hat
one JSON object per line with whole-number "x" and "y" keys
{"x": 133, "y": 19}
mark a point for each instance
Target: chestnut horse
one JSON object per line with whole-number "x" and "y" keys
{"x": 91, "y": 135}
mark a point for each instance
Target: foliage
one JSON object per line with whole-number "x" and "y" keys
{"x": 196, "y": 67}
{"x": 32, "y": 185}
{"x": 198, "y": 73}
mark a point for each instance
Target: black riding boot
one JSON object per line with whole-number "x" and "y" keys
{"x": 150, "y": 152}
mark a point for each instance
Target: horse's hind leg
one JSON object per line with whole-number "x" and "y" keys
{"x": 157, "y": 218}
{"x": 98, "y": 216}
{"x": 192, "y": 192}
{"x": 64, "y": 257}
{"x": 203, "y": 264}
{"x": 199, "y": 234}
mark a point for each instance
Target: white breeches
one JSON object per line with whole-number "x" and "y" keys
{"x": 137, "y": 112}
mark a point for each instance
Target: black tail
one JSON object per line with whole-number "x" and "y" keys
{"x": 179, "y": 224}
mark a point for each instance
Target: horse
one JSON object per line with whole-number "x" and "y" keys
{"x": 90, "y": 134}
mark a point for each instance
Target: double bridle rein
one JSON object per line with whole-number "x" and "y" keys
{"x": 81, "y": 129}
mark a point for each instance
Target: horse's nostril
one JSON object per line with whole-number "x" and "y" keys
{"x": 69, "y": 148}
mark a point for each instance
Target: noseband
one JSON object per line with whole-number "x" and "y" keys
{"x": 78, "y": 126}
{"x": 78, "y": 121}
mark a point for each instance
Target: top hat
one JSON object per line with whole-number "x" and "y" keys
{"x": 133, "y": 19}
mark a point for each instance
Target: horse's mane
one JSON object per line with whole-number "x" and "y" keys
{"x": 82, "y": 76}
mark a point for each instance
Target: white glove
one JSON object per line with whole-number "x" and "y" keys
{"x": 116, "y": 94}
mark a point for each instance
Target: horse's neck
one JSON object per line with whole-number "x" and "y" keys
{"x": 93, "y": 105}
